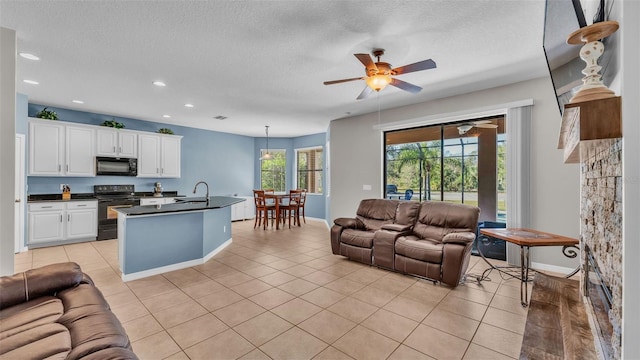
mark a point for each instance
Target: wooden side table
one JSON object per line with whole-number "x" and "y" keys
{"x": 526, "y": 239}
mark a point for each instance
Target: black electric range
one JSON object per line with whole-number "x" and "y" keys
{"x": 111, "y": 197}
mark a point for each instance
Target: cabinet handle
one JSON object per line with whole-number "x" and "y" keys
{"x": 120, "y": 149}
{"x": 157, "y": 171}
{"x": 82, "y": 205}
{"x": 68, "y": 217}
{"x": 114, "y": 149}
{"x": 162, "y": 171}
{"x": 67, "y": 168}
{"x": 59, "y": 167}
{"x": 46, "y": 207}
{"x": 60, "y": 217}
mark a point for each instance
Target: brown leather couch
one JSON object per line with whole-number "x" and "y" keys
{"x": 55, "y": 312}
{"x": 353, "y": 237}
{"x": 431, "y": 239}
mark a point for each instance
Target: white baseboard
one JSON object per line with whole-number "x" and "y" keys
{"x": 174, "y": 267}
{"x": 551, "y": 268}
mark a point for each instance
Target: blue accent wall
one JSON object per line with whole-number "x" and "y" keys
{"x": 315, "y": 205}
{"x": 225, "y": 161}
{"x": 228, "y": 163}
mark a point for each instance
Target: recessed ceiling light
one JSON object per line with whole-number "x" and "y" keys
{"x": 29, "y": 56}
{"x": 159, "y": 83}
{"x": 32, "y": 82}
{"x": 188, "y": 105}
{"x": 166, "y": 116}
{"x": 77, "y": 101}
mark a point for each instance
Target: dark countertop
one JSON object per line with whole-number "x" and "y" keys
{"x": 58, "y": 197}
{"x": 215, "y": 202}
{"x": 90, "y": 196}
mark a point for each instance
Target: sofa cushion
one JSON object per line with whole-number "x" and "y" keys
{"x": 82, "y": 295}
{"x": 424, "y": 250}
{"x": 49, "y": 341}
{"x": 93, "y": 329}
{"x": 374, "y": 213}
{"x": 22, "y": 317}
{"x": 358, "y": 238}
{"x": 437, "y": 219}
{"x": 46, "y": 280}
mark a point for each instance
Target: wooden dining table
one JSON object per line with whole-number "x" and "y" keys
{"x": 279, "y": 198}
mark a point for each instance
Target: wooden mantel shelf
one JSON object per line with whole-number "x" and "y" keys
{"x": 589, "y": 121}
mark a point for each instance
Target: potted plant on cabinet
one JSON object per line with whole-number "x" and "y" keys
{"x": 47, "y": 114}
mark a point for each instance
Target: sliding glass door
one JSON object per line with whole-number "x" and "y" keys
{"x": 456, "y": 162}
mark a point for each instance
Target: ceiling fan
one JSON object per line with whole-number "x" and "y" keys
{"x": 484, "y": 124}
{"x": 379, "y": 74}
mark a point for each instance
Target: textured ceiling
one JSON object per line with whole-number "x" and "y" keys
{"x": 263, "y": 62}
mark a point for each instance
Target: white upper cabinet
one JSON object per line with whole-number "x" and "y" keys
{"x": 58, "y": 148}
{"x": 159, "y": 155}
{"x": 117, "y": 143}
{"x": 61, "y": 149}
{"x": 46, "y": 148}
{"x": 79, "y": 154}
{"x": 170, "y": 156}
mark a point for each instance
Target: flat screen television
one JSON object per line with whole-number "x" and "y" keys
{"x": 562, "y": 17}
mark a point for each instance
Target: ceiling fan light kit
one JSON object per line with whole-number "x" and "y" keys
{"x": 379, "y": 74}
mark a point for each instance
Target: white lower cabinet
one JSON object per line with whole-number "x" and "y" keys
{"x": 51, "y": 222}
{"x": 243, "y": 210}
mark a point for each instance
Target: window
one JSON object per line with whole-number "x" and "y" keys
{"x": 449, "y": 162}
{"x": 309, "y": 169}
{"x": 272, "y": 171}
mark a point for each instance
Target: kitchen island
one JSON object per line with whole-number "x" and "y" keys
{"x": 156, "y": 239}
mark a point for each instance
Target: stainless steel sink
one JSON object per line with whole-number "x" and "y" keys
{"x": 193, "y": 200}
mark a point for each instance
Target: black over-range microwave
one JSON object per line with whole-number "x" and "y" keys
{"x": 116, "y": 166}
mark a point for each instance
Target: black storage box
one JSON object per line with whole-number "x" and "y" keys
{"x": 491, "y": 247}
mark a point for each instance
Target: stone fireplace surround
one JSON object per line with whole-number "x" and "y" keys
{"x": 601, "y": 234}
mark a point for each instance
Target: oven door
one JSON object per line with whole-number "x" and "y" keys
{"x": 108, "y": 217}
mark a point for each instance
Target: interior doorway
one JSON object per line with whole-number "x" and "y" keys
{"x": 19, "y": 202}
{"x": 461, "y": 162}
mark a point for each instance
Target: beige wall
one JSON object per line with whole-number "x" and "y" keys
{"x": 356, "y": 158}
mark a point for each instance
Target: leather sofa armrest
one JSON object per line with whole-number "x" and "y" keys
{"x": 349, "y": 223}
{"x": 46, "y": 280}
{"x": 396, "y": 227}
{"x": 459, "y": 238}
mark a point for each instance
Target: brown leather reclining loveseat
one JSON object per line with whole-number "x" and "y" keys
{"x": 431, "y": 239}
{"x": 55, "y": 312}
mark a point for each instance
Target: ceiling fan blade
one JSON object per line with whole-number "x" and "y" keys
{"x": 366, "y": 60}
{"x": 414, "y": 89}
{"x": 486, "y": 126}
{"x": 341, "y": 81}
{"x": 420, "y": 65}
{"x": 365, "y": 93}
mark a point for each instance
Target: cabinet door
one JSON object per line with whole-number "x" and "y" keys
{"x": 170, "y": 157}
{"x": 148, "y": 155}
{"x": 45, "y": 226}
{"x": 46, "y": 149}
{"x": 82, "y": 224}
{"x": 127, "y": 144}
{"x": 80, "y": 158}
{"x": 106, "y": 142}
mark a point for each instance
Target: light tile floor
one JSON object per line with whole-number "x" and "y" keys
{"x": 281, "y": 294}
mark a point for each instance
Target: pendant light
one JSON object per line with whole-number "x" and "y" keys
{"x": 267, "y": 155}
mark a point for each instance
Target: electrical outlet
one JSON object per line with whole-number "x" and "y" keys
{"x": 224, "y": 228}
{"x": 366, "y": 187}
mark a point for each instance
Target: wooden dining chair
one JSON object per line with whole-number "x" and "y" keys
{"x": 264, "y": 211}
{"x": 303, "y": 200}
{"x": 292, "y": 208}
